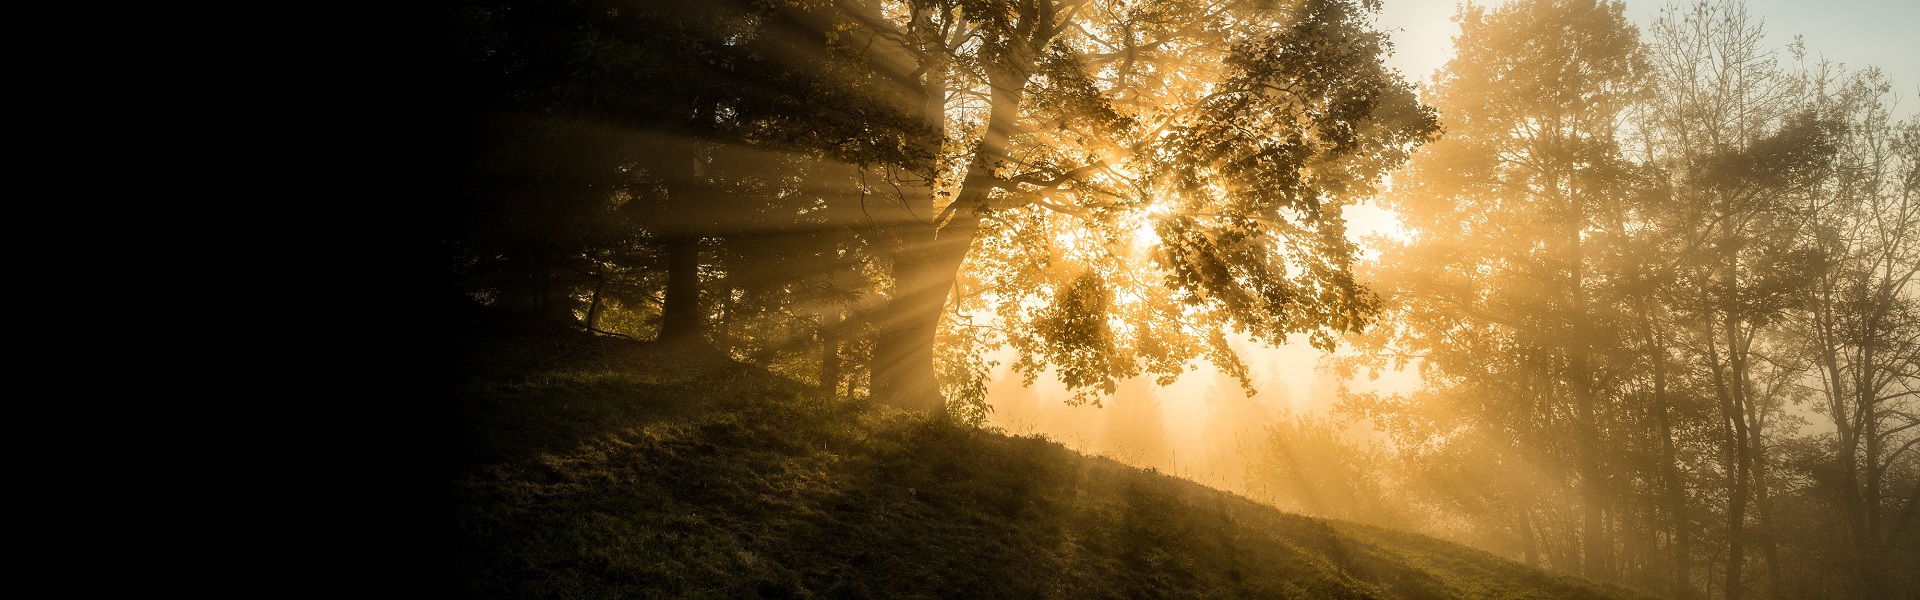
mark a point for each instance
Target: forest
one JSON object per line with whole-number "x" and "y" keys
{"x": 1657, "y": 284}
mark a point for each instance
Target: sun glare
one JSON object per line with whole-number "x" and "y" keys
{"x": 1367, "y": 220}
{"x": 1143, "y": 233}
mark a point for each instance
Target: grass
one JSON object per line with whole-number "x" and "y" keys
{"x": 596, "y": 468}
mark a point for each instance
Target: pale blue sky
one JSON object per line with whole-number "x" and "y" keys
{"x": 1858, "y": 33}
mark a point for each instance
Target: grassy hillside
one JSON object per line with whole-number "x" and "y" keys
{"x": 596, "y": 468}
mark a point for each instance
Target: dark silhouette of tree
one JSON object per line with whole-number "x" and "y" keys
{"x": 618, "y": 138}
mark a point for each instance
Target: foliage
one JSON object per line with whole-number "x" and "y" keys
{"x": 1176, "y": 176}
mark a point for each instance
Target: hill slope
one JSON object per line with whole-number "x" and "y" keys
{"x": 594, "y": 468}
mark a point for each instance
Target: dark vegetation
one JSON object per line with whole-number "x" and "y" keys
{"x": 599, "y": 467}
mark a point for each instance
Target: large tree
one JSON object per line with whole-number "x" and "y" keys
{"x": 1223, "y": 136}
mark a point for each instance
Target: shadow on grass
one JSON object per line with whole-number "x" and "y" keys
{"x": 512, "y": 390}
{"x": 619, "y": 471}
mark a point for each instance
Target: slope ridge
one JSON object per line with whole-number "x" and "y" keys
{"x": 596, "y": 468}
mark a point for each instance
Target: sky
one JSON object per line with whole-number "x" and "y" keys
{"x": 1882, "y": 33}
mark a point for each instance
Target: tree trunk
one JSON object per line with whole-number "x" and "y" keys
{"x": 830, "y": 351}
{"x": 927, "y": 262}
{"x": 1526, "y": 538}
{"x": 1873, "y": 571}
{"x": 593, "y": 306}
{"x": 1676, "y": 494}
{"x": 528, "y": 288}
{"x": 1842, "y": 393}
{"x": 1730, "y": 386}
{"x": 1736, "y": 497}
{"x": 1674, "y": 491}
{"x": 1595, "y": 541}
{"x": 680, "y": 320}
{"x": 903, "y": 369}
{"x": 1763, "y": 506}
{"x": 1733, "y": 415}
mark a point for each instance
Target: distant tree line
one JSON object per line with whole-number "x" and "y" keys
{"x": 1661, "y": 289}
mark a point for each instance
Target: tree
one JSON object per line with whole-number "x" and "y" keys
{"x": 1862, "y": 325}
{"x": 1235, "y": 129}
{"x": 1618, "y": 353}
{"x": 1510, "y": 214}
{"x": 1741, "y": 153}
{"x": 610, "y": 138}
{"x": 1224, "y": 136}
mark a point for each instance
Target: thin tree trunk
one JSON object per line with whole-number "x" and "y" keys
{"x": 830, "y": 351}
{"x": 1732, "y": 417}
{"x": 1738, "y": 493}
{"x": 723, "y": 287}
{"x": 1710, "y": 579}
{"x": 593, "y": 306}
{"x": 1526, "y": 538}
{"x": 1595, "y": 543}
{"x": 1873, "y": 571}
{"x": 1676, "y": 494}
{"x": 1763, "y": 506}
{"x": 1730, "y": 386}
{"x": 1674, "y": 488}
{"x": 1841, "y": 393}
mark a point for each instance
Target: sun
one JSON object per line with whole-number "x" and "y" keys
{"x": 1365, "y": 220}
{"x": 1143, "y": 234}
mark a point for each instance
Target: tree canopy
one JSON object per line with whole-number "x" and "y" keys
{"x": 1133, "y": 182}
